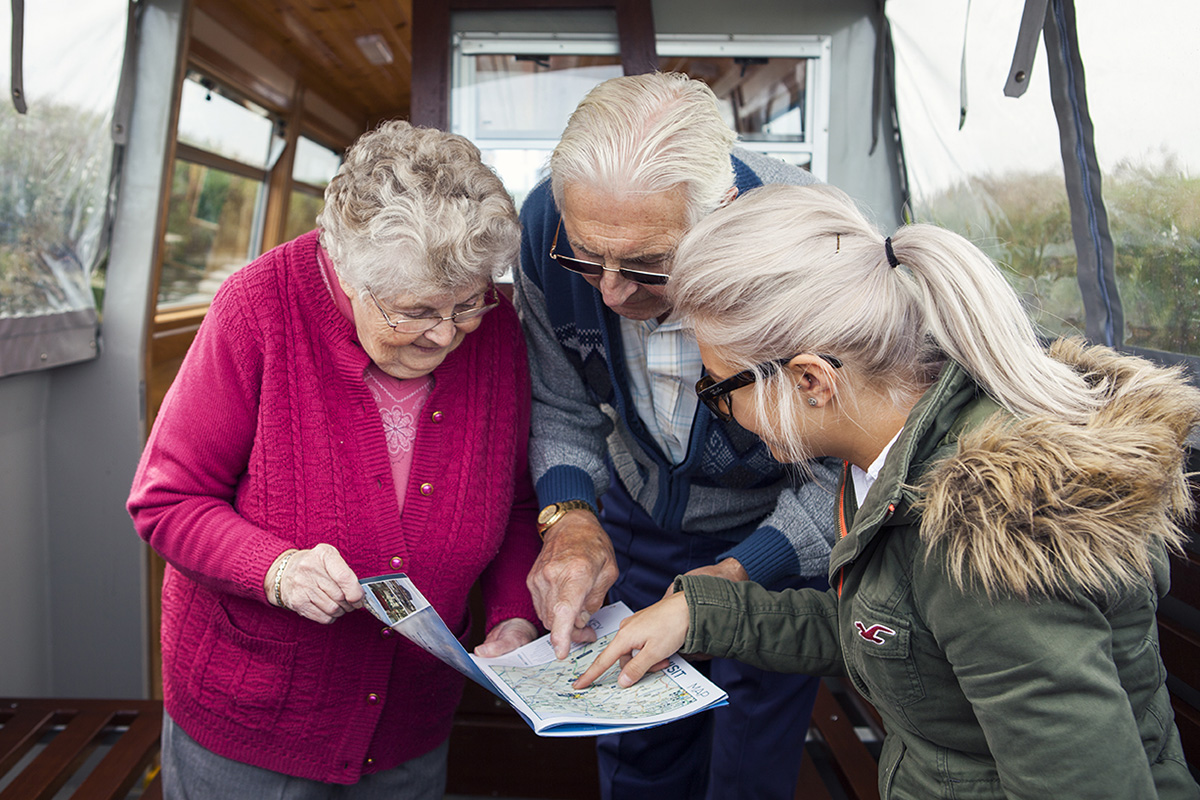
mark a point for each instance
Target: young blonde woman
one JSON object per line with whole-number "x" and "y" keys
{"x": 1005, "y": 512}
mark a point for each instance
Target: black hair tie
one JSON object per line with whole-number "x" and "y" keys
{"x": 891, "y": 254}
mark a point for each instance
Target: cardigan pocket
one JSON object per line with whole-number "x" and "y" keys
{"x": 244, "y": 678}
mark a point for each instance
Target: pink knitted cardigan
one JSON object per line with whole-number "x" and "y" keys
{"x": 269, "y": 439}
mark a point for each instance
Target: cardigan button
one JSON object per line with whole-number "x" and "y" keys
{"x": 386, "y": 633}
{"x": 369, "y": 762}
{"x": 437, "y": 416}
{"x": 427, "y": 489}
{"x": 397, "y": 562}
{"x": 372, "y": 698}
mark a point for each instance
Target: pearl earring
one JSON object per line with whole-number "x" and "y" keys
{"x": 812, "y": 401}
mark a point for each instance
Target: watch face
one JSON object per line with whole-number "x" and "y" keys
{"x": 546, "y": 513}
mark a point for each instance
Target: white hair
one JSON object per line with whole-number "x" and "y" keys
{"x": 786, "y": 270}
{"x": 647, "y": 134}
{"x": 415, "y": 211}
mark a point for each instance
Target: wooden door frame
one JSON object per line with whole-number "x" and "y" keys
{"x": 431, "y": 45}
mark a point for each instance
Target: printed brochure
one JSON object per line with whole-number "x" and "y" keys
{"x": 538, "y": 685}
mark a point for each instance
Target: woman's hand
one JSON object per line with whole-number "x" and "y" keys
{"x": 651, "y": 636}
{"x": 507, "y": 636}
{"x": 317, "y": 584}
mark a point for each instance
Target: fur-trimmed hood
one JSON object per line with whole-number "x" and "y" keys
{"x": 1039, "y": 505}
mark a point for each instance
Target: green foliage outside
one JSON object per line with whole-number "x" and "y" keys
{"x": 302, "y": 214}
{"x": 209, "y": 219}
{"x": 1155, "y": 219}
{"x": 187, "y": 243}
{"x": 55, "y": 164}
{"x": 1023, "y": 221}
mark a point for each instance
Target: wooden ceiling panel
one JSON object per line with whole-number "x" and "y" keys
{"x": 315, "y": 40}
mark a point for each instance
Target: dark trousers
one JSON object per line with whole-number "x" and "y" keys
{"x": 748, "y": 749}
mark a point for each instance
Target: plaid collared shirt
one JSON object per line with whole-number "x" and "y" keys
{"x": 664, "y": 364}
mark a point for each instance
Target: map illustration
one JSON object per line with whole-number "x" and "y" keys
{"x": 547, "y": 688}
{"x": 539, "y": 686}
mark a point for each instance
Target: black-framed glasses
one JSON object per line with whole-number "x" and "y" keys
{"x": 594, "y": 270}
{"x": 484, "y": 302}
{"x": 717, "y": 394}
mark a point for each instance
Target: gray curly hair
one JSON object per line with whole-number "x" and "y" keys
{"x": 415, "y": 211}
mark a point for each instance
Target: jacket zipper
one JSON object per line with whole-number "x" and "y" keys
{"x": 843, "y": 527}
{"x": 843, "y": 530}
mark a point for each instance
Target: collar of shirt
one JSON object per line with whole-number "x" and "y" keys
{"x": 663, "y": 362}
{"x": 863, "y": 480}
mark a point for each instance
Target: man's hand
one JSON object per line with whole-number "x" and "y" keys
{"x": 570, "y": 578}
{"x": 317, "y": 584}
{"x": 651, "y": 636}
{"x": 506, "y": 637}
{"x": 729, "y": 568}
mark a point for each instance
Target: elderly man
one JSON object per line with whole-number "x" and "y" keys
{"x": 637, "y": 481}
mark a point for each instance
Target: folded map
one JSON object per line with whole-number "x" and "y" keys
{"x": 538, "y": 685}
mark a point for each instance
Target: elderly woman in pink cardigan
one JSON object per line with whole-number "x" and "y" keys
{"x": 355, "y": 403}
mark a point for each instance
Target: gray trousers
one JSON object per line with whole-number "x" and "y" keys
{"x": 191, "y": 772}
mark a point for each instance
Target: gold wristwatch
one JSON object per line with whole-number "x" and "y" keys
{"x": 555, "y": 511}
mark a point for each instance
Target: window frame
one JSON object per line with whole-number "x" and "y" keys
{"x": 172, "y": 315}
{"x": 818, "y": 48}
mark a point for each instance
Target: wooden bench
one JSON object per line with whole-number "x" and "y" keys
{"x": 1179, "y": 637}
{"x": 841, "y": 758}
{"x": 103, "y": 749}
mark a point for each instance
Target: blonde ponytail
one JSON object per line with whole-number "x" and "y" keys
{"x": 789, "y": 269}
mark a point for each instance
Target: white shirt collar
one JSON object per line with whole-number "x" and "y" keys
{"x": 864, "y": 479}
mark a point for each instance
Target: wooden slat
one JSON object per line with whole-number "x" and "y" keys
{"x": 1180, "y": 651}
{"x": 1187, "y": 719}
{"x": 78, "y": 727}
{"x": 850, "y": 757}
{"x": 54, "y": 766}
{"x": 23, "y": 725}
{"x": 154, "y": 789}
{"x": 810, "y": 785}
{"x": 865, "y": 709}
{"x": 1185, "y": 578}
{"x": 125, "y": 763}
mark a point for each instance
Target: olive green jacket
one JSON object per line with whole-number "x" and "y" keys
{"x": 994, "y": 596}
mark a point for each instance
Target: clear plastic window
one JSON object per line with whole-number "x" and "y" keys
{"x": 998, "y": 177}
{"x": 56, "y": 168}
{"x": 1149, "y": 154}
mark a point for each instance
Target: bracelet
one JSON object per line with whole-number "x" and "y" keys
{"x": 279, "y": 577}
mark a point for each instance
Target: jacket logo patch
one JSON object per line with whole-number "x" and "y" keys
{"x": 875, "y": 633}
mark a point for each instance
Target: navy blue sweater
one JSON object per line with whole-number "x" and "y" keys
{"x": 728, "y": 486}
